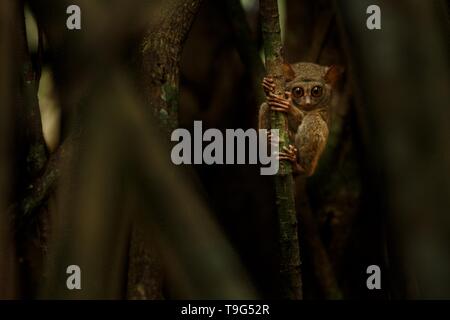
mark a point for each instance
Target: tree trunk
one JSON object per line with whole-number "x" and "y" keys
{"x": 160, "y": 72}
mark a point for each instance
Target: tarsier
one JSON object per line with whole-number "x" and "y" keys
{"x": 306, "y": 101}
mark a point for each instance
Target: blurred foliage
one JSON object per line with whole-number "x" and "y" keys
{"x": 109, "y": 197}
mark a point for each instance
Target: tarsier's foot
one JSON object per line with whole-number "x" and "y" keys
{"x": 268, "y": 86}
{"x": 290, "y": 154}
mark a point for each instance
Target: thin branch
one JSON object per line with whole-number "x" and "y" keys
{"x": 284, "y": 184}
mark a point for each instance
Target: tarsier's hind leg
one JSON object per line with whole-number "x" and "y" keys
{"x": 311, "y": 139}
{"x": 312, "y": 152}
{"x": 290, "y": 153}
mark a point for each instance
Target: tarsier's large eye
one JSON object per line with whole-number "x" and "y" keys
{"x": 298, "y": 92}
{"x": 316, "y": 91}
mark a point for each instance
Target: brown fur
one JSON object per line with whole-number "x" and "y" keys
{"x": 308, "y": 117}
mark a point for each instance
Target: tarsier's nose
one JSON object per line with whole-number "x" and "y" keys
{"x": 307, "y": 100}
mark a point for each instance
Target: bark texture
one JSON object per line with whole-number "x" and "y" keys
{"x": 161, "y": 55}
{"x": 160, "y": 72}
{"x": 284, "y": 183}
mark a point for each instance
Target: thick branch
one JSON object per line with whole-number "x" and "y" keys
{"x": 36, "y": 154}
{"x": 123, "y": 153}
{"x": 161, "y": 56}
{"x": 40, "y": 189}
{"x": 8, "y": 267}
{"x": 413, "y": 170}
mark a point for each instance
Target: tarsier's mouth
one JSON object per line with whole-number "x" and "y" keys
{"x": 306, "y": 106}
{"x": 301, "y": 104}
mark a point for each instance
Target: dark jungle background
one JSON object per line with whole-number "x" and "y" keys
{"x": 85, "y": 170}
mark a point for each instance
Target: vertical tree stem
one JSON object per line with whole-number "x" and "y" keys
{"x": 284, "y": 184}
{"x": 8, "y": 65}
{"x": 161, "y": 57}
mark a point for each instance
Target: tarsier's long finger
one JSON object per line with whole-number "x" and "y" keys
{"x": 288, "y": 149}
{"x": 280, "y": 102}
{"x": 268, "y": 84}
{"x": 268, "y": 90}
{"x": 290, "y": 153}
{"x": 268, "y": 80}
{"x": 277, "y": 105}
{"x": 268, "y": 87}
{"x": 283, "y": 156}
{"x": 274, "y": 97}
{"x": 292, "y": 148}
{"x": 265, "y": 86}
{"x": 286, "y": 154}
{"x": 279, "y": 109}
{"x": 280, "y": 97}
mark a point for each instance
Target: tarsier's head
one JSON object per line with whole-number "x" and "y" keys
{"x": 310, "y": 84}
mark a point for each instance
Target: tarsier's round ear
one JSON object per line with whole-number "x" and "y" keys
{"x": 288, "y": 72}
{"x": 333, "y": 74}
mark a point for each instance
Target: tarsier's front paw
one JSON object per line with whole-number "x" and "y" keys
{"x": 280, "y": 103}
{"x": 268, "y": 85}
{"x": 277, "y": 103}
